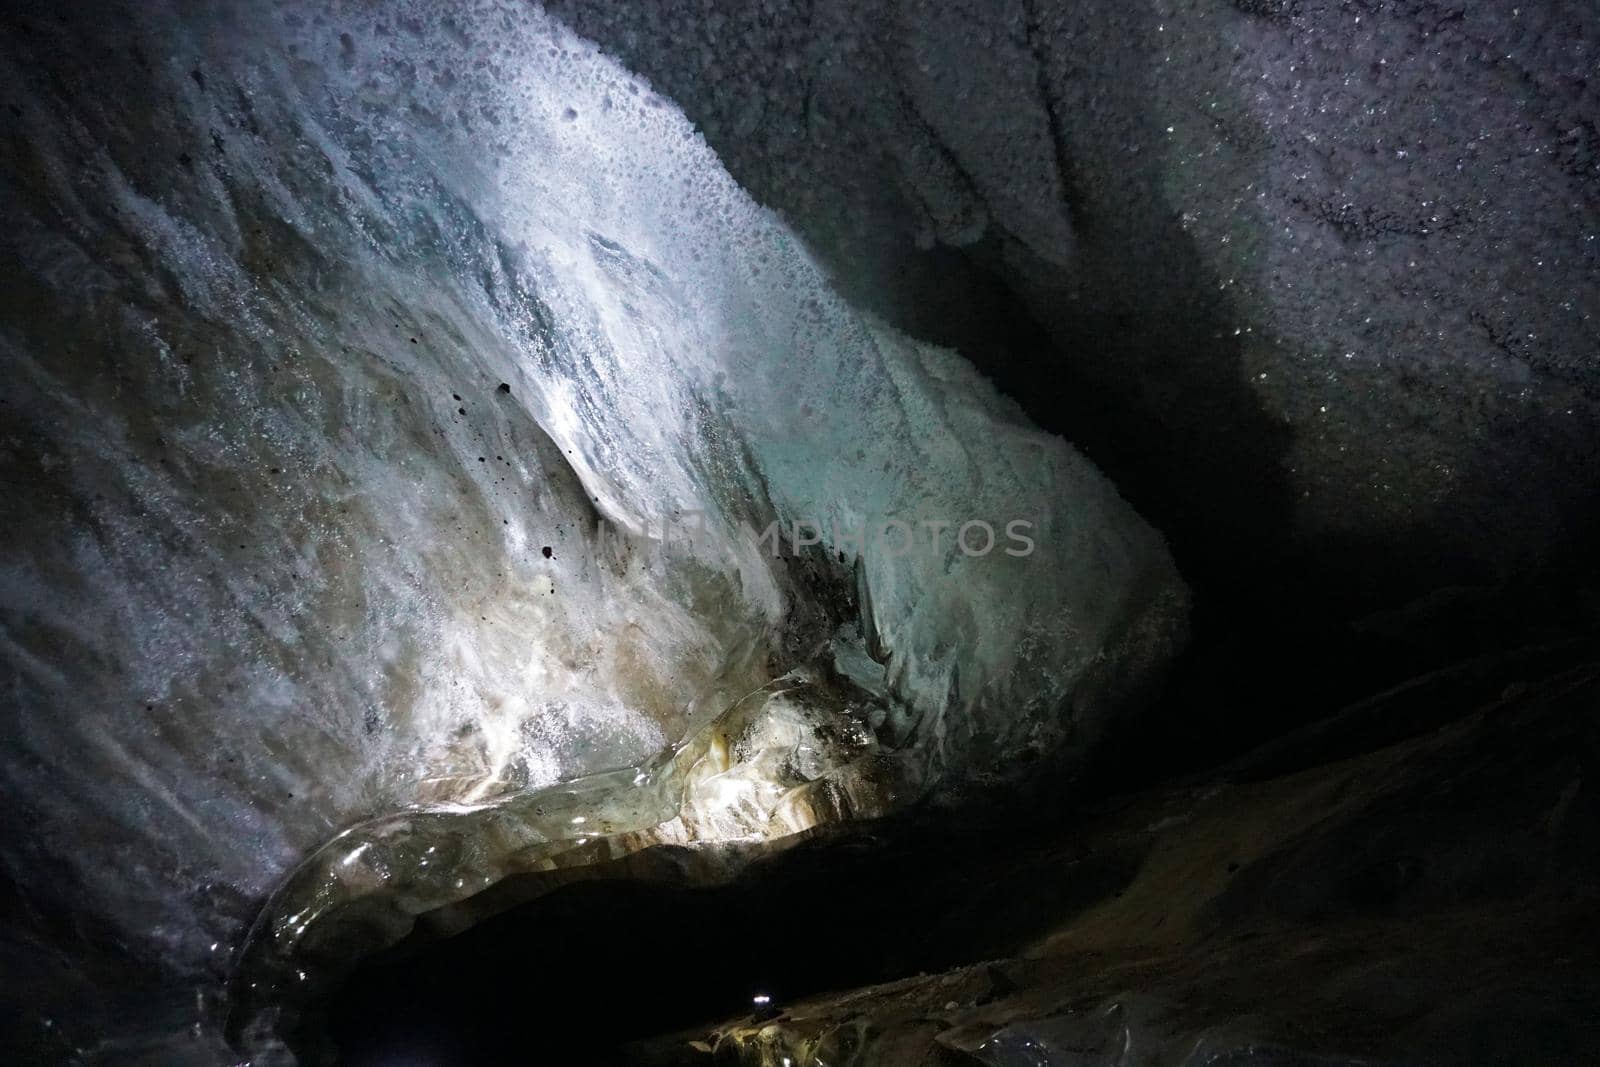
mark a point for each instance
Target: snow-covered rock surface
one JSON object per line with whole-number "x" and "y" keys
{"x": 396, "y": 396}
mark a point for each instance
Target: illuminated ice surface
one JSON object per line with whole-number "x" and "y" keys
{"x": 349, "y": 392}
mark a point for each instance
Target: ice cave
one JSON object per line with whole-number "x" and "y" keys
{"x": 800, "y": 533}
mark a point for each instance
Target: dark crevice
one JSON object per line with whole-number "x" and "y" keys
{"x": 606, "y": 962}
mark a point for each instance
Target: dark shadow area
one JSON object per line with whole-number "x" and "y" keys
{"x": 576, "y": 974}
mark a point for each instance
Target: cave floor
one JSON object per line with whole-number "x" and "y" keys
{"x": 1429, "y": 900}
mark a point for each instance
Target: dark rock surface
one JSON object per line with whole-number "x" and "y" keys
{"x": 1430, "y": 903}
{"x": 1316, "y": 282}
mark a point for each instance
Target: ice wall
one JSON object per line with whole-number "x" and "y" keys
{"x": 357, "y": 359}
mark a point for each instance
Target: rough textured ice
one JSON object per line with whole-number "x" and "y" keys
{"x": 1333, "y": 266}
{"x": 348, "y": 395}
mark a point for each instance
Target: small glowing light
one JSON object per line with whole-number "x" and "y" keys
{"x": 760, "y": 999}
{"x": 579, "y": 820}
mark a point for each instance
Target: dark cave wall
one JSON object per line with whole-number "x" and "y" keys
{"x": 1317, "y": 283}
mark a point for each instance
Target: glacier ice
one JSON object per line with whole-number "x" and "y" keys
{"x": 352, "y": 394}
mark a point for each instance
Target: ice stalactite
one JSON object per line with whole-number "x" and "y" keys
{"x": 358, "y": 392}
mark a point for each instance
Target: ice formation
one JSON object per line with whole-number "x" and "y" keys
{"x": 357, "y": 395}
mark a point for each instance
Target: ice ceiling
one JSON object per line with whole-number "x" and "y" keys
{"x": 358, "y": 357}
